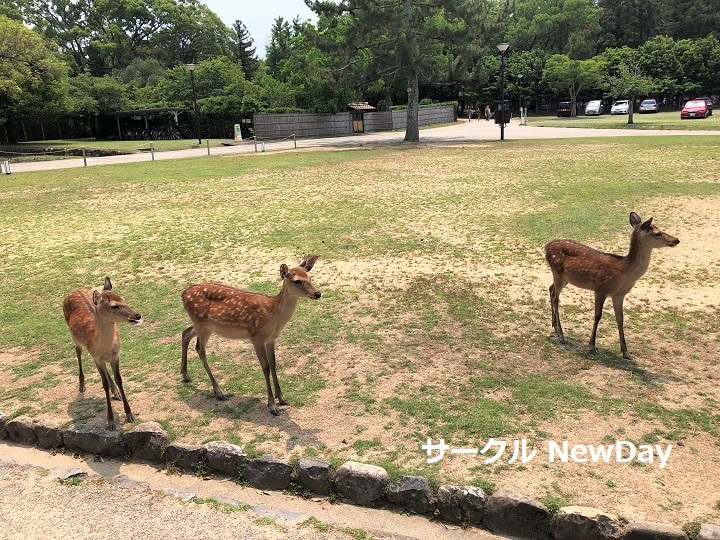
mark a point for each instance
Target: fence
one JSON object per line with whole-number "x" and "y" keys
{"x": 277, "y": 126}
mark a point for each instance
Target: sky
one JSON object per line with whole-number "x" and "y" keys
{"x": 259, "y": 17}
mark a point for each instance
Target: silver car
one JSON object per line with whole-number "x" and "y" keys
{"x": 594, "y": 107}
{"x": 648, "y": 106}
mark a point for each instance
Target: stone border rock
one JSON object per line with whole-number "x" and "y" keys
{"x": 504, "y": 512}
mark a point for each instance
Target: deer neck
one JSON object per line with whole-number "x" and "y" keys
{"x": 637, "y": 260}
{"x": 105, "y": 328}
{"x": 285, "y": 304}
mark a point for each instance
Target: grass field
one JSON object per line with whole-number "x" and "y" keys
{"x": 434, "y": 320}
{"x": 661, "y": 120}
{"x": 59, "y": 149}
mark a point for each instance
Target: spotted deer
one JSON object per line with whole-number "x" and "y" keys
{"x": 91, "y": 316}
{"x": 236, "y": 314}
{"x": 604, "y": 273}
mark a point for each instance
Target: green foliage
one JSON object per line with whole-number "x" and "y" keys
{"x": 130, "y": 55}
{"x": 569, "y": 27}
{"x": 563, "y": 75}
{"x": 32, "y": 80}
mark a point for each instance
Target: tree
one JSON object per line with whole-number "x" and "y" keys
{"x": 105, "y": 36}
{"x": 279, "y": 48}
{"x": 628, "y": 22}
{"x": 245, "y": 50}
{"x": 572, "y": 76}
{"x": 568, "y": 27}
{"x": 32, "y": 78}
{"x": 407, "y": 39}
{"x": 630, "y": 82}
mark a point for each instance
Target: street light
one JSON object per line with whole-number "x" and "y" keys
{"x": 191, "y": 69}
{"x": 502, "y": 48}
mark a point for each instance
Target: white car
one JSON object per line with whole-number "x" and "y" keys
{"x": 621, "y": 106}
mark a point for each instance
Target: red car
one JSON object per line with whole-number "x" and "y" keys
{"x": 695, "y": 108}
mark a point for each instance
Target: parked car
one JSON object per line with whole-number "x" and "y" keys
{"x": 695, "y": 108}
{"x": 709, "y": 103}
{"x": 595, "y": 107}
{"x": 648, "y": 106}
{"x": 564, "y": 108}
{"x": 621, "y": 106}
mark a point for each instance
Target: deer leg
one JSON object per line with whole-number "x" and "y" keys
{"x": 187, "y": 336}
{"x": 115, "y": 363}
{"x": 200, "y": 348}
{"x": 599, "y": 302}
{"x": 114, "y": 388}
{"x": 264, "y": 364}
{"x": 270, "y": 355}
{"x": 618, "y": 308}
{"x": 81, "y": 375}
{"x": 106, "y": 386}
{"x": 555, "y": 309}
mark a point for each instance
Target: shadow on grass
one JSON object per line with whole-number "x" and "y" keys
{"x": 610, "y": 359}
{"x": 253, "y": 410}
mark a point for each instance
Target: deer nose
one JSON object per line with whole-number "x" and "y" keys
{"x": 137, "y": 317}
{"x": 317, "y": 294}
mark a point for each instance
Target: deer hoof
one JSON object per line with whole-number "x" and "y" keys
{"x": 131, "y": 418}
{"x": 186, "y": 379}
{"x": 274, "y": 412}
{"x": 111, "y": 426}
{"x": 283, "y": 401}
{"x": 219, "y": 394}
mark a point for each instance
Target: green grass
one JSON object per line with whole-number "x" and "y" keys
{"x": 661, "y": 120}
{"x": 433, "y": 320}
{"x": 59, "y": 149}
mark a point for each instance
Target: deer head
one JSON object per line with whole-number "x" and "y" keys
{"x": 112, "y": 307}
{"x": 298, "y": 279}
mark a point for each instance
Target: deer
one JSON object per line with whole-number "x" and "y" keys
{"x": 603, "y": 273}
{"x": 92, "y": 318}
{"x": 238, "y": 314}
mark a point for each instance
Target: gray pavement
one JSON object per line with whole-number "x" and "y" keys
{"x": 120, "y": 500}
{"x": 463, "y": 131}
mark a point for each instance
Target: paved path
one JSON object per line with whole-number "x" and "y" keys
{"x": 129, "y": 500}
{"x": 461, "y": 131}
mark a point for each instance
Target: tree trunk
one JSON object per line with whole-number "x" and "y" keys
{"x": 630, "y": 110}
{"x": 412, "y": 129}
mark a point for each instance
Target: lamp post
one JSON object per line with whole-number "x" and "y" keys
{"x": 191, "y": 69}
{"x": 502, "y": 48}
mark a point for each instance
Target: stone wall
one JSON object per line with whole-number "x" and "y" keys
{"x": 504, "y": 512}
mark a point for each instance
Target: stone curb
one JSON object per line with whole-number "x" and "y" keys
{"x": 503, "y": 512}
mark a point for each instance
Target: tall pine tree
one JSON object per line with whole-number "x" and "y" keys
{"x": 245, "y": 50}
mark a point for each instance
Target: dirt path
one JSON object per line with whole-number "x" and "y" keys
{"x": 130, "y": 500}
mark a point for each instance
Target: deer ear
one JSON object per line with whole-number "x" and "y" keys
{"x": 108, "y": 284}
{"x": 284, "y": 271}
{"x": 309, "y": 262}
{"x": 97, "y": 298}
{"x": 635, "y": 219}
{"x": 646, "y": 226}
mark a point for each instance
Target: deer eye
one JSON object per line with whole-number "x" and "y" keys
{"x": 297, "y": 282}
{"x": 115, "y": 306}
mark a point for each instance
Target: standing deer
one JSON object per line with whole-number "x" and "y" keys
{"x": 236, "y": 314}
{"x": 604, "y": 273}
{"x": 91, "y": 316}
